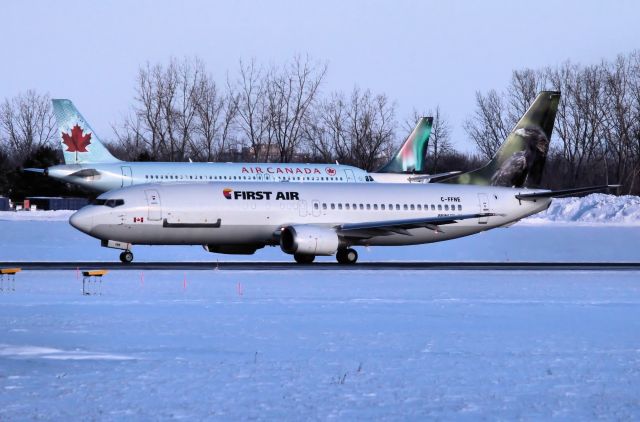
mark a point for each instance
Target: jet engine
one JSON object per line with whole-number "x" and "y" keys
{"x": 309, "y": 240}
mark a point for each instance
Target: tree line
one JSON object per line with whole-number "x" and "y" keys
{"x": 283, "y": 113}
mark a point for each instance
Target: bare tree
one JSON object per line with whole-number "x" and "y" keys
{"x": 253, "y": 118}
{"x": 370, "y": 128}
{"x": 165, "y": 116}
{"x": 490, "y": 123}
{"x": 325, "y": 133}
{"x": 291, "y": 92}
{"x": 26, "y": 124}
{"x": 216, "y": 112}
{"x": 440, "y": 139}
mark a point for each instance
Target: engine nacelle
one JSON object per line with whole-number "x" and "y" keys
{"x": 309, "y": 240}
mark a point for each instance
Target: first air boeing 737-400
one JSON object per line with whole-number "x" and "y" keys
{"x": 307, "y": 220}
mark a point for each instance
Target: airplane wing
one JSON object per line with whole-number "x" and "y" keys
{"x": 386, "y": 228}
{"x": 564, "y": 192}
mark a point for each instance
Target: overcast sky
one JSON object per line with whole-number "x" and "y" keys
{"x": 420, "y": 53}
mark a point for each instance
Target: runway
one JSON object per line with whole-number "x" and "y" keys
{"x": 324, "y": 266}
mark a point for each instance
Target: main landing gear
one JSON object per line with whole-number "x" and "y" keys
{"x": 347, "y": 256}
{"x": 304, "y": 259}
{"x": 126, "y": 257}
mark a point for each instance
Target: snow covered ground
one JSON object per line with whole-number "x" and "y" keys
{"x": 322, "y": 345}
{"x": 344, "y": 345}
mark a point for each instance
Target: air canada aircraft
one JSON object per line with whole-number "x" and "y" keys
{"x": 305, "y": 220}
{"x": 89, "y": 164}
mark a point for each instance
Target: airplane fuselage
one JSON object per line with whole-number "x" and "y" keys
{"x": 236, "y": 215}
{"x": 103, "y": 177}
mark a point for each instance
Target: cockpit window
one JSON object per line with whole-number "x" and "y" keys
{"x": 112, "y": 203}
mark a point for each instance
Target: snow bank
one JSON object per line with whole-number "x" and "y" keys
{"x": 596, "y": 208}
{"x": 40, "y": 215}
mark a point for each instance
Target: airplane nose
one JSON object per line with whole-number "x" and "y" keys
{"x": 82, "y": 221}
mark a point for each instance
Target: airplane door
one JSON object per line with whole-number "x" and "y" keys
{"x": 127, "y": 179}
{"x": 153, "y": 201}
{"x": 483, "y": 200}
{"x": 302, "y": 206}
{"x": 315, "y": 208}
{"x": 350, "y": 177}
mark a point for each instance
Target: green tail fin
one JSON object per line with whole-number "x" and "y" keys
{"x": 412, "y": 155}
{"x": 521, "y": 158}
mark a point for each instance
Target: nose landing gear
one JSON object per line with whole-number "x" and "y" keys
{"x": 126, "y": 257}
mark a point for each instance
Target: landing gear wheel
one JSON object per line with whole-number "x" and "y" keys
{"x": 347, "y": 256}
{"x": 304, "y": 259}
{"x": 126, "y": 257}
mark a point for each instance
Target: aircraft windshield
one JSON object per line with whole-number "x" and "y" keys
{"x": 109, "y": 202}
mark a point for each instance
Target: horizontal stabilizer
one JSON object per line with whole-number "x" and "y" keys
{"x": 563, "y": 192}
{"x": 439, "y": 177}
{"x": 34, "y": 170}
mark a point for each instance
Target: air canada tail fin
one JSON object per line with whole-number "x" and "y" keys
{"x": 521, "y": 158}
{"x": 411, "y": 156}
{"x": 79, "y": 142}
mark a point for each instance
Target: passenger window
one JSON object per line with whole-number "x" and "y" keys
{"x": 346, "y": 206}
{"x": 382, "y": 207}
{"x": 439, "y": 207}
{"x": 413, "y": 207}
{"x": 315, "y": 206}
{"x": 324, "y": 206}
{"x": 397, "y": 206}
{"x": 339, "y": 206}
{"x": 361, "y": 206}
{"x": 419, "y": 207}
{"x": 459, "y": 207}
{"x": 446, "y": 207}
{"x": 375, "y": 207}
{"x": 333, "y": 206}
{"x": 433, "y": 207}
{"x": 405, "y": 207}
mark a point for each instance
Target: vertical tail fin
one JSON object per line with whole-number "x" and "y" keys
{"x": 521, "y": 158}
{"x": 79, "y": 142}
{"x": 411, "y": 156}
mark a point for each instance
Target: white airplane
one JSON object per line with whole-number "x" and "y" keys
{"x": 89, "y": 164}
{"x": 306, "y": 220}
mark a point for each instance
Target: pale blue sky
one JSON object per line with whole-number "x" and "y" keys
{"x": 420, "y": 53}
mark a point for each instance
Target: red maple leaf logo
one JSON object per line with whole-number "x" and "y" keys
{"x": 77, "y": 141}
{"x": 331, "y": 171}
